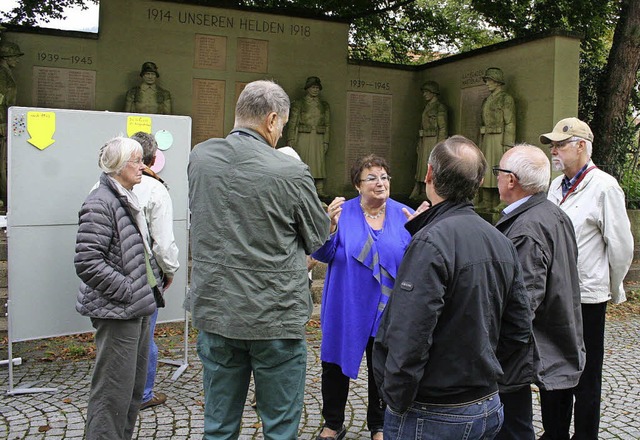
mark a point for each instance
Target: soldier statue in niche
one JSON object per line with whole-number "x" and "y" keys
{"x": 433, "y": 129}
{"x": 497, "y": 134}
{"x": 9, "y": 54}
{"x": 308, "y": 130}
{"x": 148, "y": 97}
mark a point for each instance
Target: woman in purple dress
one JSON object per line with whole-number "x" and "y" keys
{"x": 363, "y": 254}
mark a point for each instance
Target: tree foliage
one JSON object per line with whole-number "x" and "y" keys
{"x": 615, "y": 121}
{"x": 29, "y": 12}
{"x": 421, "y": 31}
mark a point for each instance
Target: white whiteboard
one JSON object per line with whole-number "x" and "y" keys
{"x": 46, "y": 189}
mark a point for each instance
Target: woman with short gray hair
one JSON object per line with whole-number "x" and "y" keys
{"x": 118, "y": 290}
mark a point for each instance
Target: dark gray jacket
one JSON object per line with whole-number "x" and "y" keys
{"x": 458, "y": 304}
{"x": 545, "y": 241}
{"x": 110, "y": 259}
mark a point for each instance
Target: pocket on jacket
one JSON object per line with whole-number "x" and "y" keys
{"x": 95, "y": 304}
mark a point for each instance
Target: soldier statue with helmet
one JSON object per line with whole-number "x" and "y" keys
{"x": 497, "y": 134}
{"x": 148, "y": 97}
{"x": 9, "y": 54}
{"x": 433, "y": 129}
{"x": 308, "y": 130}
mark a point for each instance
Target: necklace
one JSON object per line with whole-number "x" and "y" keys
{"x": 373, "y": 217}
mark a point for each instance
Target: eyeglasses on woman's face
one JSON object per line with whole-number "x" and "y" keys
{"x": 374, "y": 179}
{"x": 136, "y": 162}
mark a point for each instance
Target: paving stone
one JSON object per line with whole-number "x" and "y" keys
{"x": 182, "y": 418}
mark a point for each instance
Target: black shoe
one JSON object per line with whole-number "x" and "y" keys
{"x": 338, "y": 435}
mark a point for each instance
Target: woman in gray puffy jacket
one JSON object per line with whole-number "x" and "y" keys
{"x": 119, "y": 277}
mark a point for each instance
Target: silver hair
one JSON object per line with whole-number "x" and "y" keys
{"x": 589, "y": 146}
{"x": 257, "y": 100}
{"x": 532, "y": 167}
{"x": 149, "y": 146}
{"x": 587, "y": 142}
{"x": 115, "y": 154}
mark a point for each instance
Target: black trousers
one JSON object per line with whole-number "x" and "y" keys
{"x": 556, "y": 411}
{"x": 335, "y": 390}
{"x": 556, "y": 405}
{"x": 518, "y": 415}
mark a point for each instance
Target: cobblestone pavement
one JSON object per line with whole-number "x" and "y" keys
{"x": 60, "y": 415}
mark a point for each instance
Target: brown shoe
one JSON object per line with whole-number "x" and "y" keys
{"x": 157, "y": 399}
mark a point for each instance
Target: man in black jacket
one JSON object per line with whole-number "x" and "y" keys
{"x": 459, "y": 303}
{"x": 545, "y": 241}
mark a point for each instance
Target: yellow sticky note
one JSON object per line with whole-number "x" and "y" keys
{"x": 138, "y": 123}
{"x": 41, "y": 126}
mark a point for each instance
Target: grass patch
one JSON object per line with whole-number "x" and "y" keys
{"x": 168, "y": 336}
{"x": 628, "y": 308}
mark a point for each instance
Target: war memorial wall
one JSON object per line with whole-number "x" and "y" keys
{"x": 205, "y": 56}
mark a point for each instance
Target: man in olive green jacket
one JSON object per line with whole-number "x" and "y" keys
{"x": 255, "y": 215}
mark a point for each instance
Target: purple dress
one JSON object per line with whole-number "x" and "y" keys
{"x": 362, "y": 266}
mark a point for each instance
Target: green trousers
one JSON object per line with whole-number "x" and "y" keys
{"x": 279, "y": 368}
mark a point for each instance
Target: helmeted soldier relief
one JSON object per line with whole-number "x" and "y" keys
{"x": 148, "y": 97}
{"x": 9, "y": 54}
{"x": 308, "y": 130}
{"x": 433, "y": 129}
{"x": 497, "y": 133}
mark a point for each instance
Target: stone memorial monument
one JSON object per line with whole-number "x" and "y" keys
{"x": 148, "y": 97}
{"x": 309, "y": 130}
{"x": 433, "y": 129}
{"x": 497, "y": 134}
{"x": 9, "y": 54}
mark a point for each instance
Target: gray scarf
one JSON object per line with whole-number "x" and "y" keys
{"x": 134, "y": 205}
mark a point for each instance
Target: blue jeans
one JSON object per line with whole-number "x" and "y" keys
{"x": 153, "y": 360}
{"x": 279, "y": 368}
{"x": 481, "y": 419}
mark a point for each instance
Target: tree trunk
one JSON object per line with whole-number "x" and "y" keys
{"x": 615, "y": 90}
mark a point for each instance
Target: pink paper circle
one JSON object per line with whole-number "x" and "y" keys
{"x": 158, "y": 165}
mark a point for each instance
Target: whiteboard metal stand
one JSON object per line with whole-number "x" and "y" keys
{"x": 15, "y": 361}
{"x": 184, "y": 363}
{"x": 27, "y": 387}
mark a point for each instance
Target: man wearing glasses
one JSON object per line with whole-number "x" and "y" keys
{"x": 595, "y": 203}
{"x": 545, "y": 241}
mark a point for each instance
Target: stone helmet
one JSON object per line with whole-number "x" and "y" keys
{"x": 149, "y": 66}
{"x": 431, "y": 86}
{"x": 9, "y": 49}
{"x": 495, "y": 74}
{"x": 313, "y": 81}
